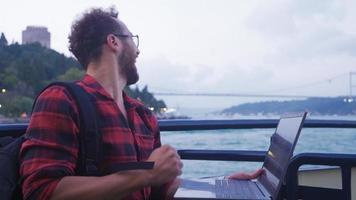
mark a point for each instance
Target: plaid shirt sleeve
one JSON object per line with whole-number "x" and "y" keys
{"x": 157, "y": 134}
{"x": 160, "y": 191}
{"x": 50, "y": 153}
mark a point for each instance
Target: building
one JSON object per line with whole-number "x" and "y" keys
{"x": 38, "y": 34}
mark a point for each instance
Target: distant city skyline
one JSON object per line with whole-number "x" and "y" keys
{"x": 247, "y": 46}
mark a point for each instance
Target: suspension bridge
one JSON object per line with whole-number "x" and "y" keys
{"x": 351, "y": 86}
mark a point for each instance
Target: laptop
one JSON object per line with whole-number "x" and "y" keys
{"x": 267, "y": 185}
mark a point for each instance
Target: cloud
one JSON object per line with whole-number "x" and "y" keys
{"x": 272, "y": 19}
{"x": 164, "y": 76}
{"x": 303, "y": 29}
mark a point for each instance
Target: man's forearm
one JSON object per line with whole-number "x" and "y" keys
{"x": 114, "y": 186}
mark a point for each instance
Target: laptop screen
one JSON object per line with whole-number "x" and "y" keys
{"x": 279, "y": 153}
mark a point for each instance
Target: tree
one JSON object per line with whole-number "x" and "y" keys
{"x": 71, "y": 74}
{"x": 3, "y": 40}
{"x": 147, "y": 98}
{"x": 13, "y": 105}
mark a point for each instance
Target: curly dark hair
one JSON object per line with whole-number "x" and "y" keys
{"x": 89, "y": 33}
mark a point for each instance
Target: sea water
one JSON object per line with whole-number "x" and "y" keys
{"x": 316, "y": 140}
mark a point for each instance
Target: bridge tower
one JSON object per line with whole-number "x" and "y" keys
{"x": 351, "y": 87}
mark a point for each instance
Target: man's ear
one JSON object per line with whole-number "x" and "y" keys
{"x": 113, "y": 42}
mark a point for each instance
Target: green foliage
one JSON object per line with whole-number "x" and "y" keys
{"x": 32, "y": 65}
{"x": 71, "y": 74}
{"x": 146, "y": 97}
{"x": 8, "y": 77}
{"x": 13, "y": 105}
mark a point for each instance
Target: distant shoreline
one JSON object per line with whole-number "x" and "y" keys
{"x": 333, "y": 106}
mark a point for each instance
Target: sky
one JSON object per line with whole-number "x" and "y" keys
{"x": 230, "y": 46}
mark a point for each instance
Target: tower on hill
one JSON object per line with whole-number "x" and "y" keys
{"x": 38, "y": 34}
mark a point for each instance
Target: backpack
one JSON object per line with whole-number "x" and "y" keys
{"x": 89, "y": 145}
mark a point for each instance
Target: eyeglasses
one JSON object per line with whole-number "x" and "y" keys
{"x": 135, "y": 38}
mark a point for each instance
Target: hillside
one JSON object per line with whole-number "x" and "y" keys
{"x": 316, "y": 106}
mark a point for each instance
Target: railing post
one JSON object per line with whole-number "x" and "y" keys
{"x": 292, "y": 181}
{"x": 346, "y": 182}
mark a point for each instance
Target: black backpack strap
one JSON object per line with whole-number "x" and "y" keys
{"x": 90, "y": 140}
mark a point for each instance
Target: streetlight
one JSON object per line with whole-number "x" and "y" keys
{"x": 3, "y": 90}
{"x": 0, "y": 105}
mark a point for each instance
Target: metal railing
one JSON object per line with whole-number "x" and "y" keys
{"x": 190, "y": 125}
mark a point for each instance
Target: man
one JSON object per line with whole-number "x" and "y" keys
{"x": 105, "y": 48}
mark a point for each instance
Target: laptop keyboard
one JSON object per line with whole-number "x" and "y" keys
{"x": 237, "y": 189}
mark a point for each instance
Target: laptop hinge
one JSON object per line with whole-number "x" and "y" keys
{"x": 263, "y": 190}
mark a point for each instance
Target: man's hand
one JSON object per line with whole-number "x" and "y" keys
{"x": 172, "y": 189}
{"x": 246, "y": 176}
{"x": 167, "y": 165}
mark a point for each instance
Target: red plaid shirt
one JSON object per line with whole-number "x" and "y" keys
{"x": 52, "y": 150}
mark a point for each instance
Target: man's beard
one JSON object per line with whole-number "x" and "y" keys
{"x": 127, "y": 62}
